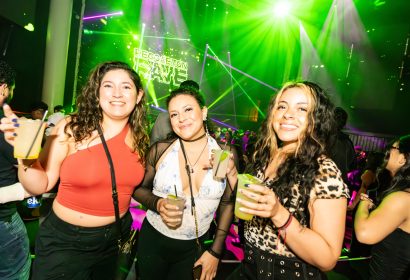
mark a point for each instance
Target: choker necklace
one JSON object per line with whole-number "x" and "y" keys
{"x": 196, "y": 139}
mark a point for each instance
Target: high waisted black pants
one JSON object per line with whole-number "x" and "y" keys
{"x": 66, "y": 251}
{"x": 161, "y": 257}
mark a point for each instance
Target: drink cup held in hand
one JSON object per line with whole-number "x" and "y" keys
{"x": 27, "y": 144}
{"x": 180, "y": 203}
{"x": 220, "y": 163}
{"x": 242, "y": 180}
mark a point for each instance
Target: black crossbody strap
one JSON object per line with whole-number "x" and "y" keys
{"x": 193, "y": 211}
{"x": 113, "y": 183}
{"x": 189, "y": 175}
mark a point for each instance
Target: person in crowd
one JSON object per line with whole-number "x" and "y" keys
{"x": 38, "y": 109}
{"x": 374, "y": 161}
{"x": 78, "y": 239}
{"x": 299, "y": 214}
{"x": 166, "y": 251}
{"x": 388, "y": 225}
{"x": 162, "y": 126}
{"x": 54, "y": 118}
{"x": 369, "y": 183}
{"x": 342, "y": 152}
{"x": 14, "y": 243}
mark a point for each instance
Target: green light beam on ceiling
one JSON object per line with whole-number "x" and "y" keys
{"x": 221, "y": 96}
{"x": 140, "y": 47}
{"x": 237, "y": 83}
{"x": 167, "y": 38}
{"x": 228, "y": 115}
{"x": 91, "y": 32}
{"x": 151, "y": 92}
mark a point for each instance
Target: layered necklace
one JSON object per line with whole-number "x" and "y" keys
{"x": 192, "y": 166}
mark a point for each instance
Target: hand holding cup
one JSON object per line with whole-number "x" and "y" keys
{"x": 222, "y": 163}
{"x": 9, "y": 124}
{"x": 255, "y": 199}
{"x": 171, "y": 210}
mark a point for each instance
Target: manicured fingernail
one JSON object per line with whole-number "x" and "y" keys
{"x": 16, "y": 125}
{"x": 14, "y": 120}
{"x": 14, "y": 134}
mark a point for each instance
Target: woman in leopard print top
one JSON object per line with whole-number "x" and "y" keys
{"x": 299, "y": 216}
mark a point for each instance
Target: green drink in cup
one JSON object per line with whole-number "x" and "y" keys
{"x": 220, "y": 163}
{"x": 180, "y": 203}
{"x": 242, "y": 180}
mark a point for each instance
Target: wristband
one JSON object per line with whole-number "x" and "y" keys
{"x": 283, "y": 229}
{"x": 287, "y": 223}
{"x": 215, "y": 254}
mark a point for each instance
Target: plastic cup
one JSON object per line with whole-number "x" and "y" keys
{"x": 242, "y": 180}
{"x": 180, "y": 203}
{"x": 220, "y": 163}
{"x": 27, "y": 143}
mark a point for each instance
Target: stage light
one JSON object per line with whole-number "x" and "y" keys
{"x": 281, "y": 9}
{"x": 87, "y": 31}
{"x": 29, "y": 27}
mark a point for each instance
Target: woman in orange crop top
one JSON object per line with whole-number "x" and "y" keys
{"x": 78, "y": 239}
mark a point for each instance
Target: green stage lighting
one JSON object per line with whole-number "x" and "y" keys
{"x": 281, "y": 9}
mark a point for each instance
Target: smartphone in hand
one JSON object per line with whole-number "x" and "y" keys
{"x": 196, "y": 272}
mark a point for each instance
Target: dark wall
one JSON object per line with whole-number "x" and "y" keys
{"x": 25, "y": 52}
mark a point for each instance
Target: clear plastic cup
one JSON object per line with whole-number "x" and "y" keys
{"x": 180, "y": 203}
{"x": 220, "y": 163}
{"x": 242, "y": 180}
{"x": 27, "y": 143}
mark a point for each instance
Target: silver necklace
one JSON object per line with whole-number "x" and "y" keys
{"x": 193, "y": 165}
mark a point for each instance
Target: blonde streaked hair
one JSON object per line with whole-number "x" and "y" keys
{"x": 271, "y": 139}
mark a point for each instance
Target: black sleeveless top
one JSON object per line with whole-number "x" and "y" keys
{"x": 391, "y": 257}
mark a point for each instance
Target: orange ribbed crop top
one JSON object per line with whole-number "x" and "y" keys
{"x": 85, "y": 179}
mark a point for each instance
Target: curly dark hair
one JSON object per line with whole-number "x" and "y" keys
{"x": 89, "y": 113}
{"x": 400, "y": 180}
{"x": 301, "y": 166}
{"x": 7, "y": 74}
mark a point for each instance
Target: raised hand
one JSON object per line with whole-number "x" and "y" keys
{"x": 8, "y": 124}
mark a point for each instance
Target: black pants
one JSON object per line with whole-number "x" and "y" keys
{"x": 161, "y": 257}
{"x": 260, "y": 265}
{"x": 66, "y": 251}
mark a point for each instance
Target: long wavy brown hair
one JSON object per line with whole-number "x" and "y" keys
{"x": 89, "y": 113}
{"x": 301, "y": 165}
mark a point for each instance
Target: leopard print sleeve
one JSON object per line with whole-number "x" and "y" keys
{"x": 329, "y": 183}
